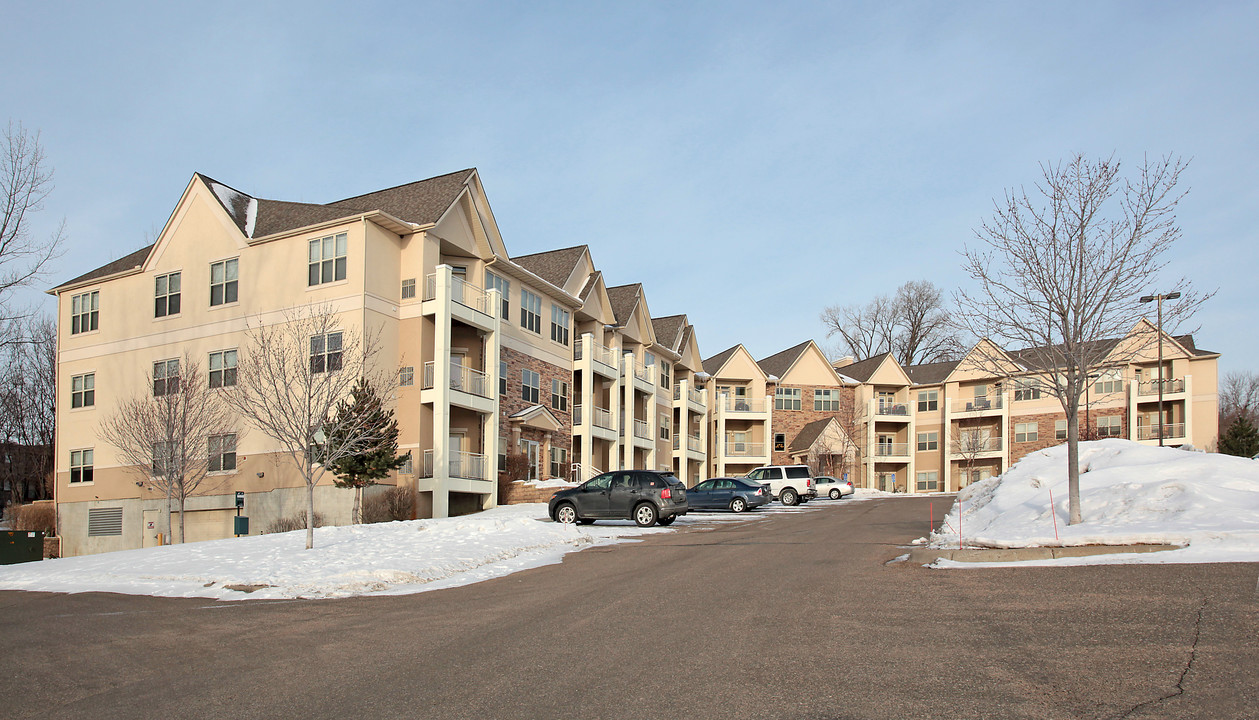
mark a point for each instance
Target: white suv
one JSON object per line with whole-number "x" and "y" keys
{"x": 791, "y": 484}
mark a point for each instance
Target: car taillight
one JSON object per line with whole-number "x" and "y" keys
{"x": 760, "y": 491}
{"x": 666, "y": 494}
{"x": 808, "y": 482}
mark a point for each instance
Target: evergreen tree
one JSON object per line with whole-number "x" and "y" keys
{"x": 363, "y": 410}
{"x": 1241, "y": 438}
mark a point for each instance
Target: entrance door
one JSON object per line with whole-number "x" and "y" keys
{"x": 455, "y": 462}
{"x": 152, "y": 527}
{"x": 533, "y": 452}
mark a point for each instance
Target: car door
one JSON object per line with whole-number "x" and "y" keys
{"x": 593, "y": 500}
{"x": 723, "y": 492}
{"x": 622, "y": 494}
{"x": 700, "y": 496}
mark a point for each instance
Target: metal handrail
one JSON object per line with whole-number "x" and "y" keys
{"x": 1170, "y": 385}
{"x": 1168, "y": 430}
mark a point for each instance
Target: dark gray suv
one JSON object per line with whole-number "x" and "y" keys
{"x": 644, "y": 496}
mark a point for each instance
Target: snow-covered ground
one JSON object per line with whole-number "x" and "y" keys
{"x": 1130, "y": 493}
{"x": 380, "y": 559}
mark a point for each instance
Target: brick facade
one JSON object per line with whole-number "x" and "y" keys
{"x": 1045, "y": 432}
{"x": 512, "y": 402}
{"x": 789, "y": 422}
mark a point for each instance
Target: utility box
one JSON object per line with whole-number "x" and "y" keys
{"x": 241, "y": 525}
{"x": 19, "y": 546}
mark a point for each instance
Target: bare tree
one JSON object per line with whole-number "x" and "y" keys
{"x": 850, "y": 418}
{"x": 968, "y": 441}
{"x": 1239, "y": 397}
{"x": 28, "y": 408}
{"x": 290, "y": 376}
{"x": 174, "y": 433}
{"x": 25, "y": 182}
{"x": 914, "y": 325}
{"x": 1060, "y": 272}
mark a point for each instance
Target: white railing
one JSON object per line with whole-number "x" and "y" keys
{"x": 891, "y": 450}
{"x": 695, "y": 396}
{"x": 742, "y": 404}
{"x": 581, "y": 473}
{"x": 465, "y": 465}
{"x": 693, "y": 443}
{"x": 642, "y": 373}
{"x": 576, "y": 415}
{"x": 602, "y": 417}
{"x": 598, "y": 352}
{"x": 641, "y": 430}
{"x": 971, "y": 445}
{"x": 1168, "y": 430}
{"x": 462, "y": 378}
{"x": 745, "y": 449}
{"x": 677, "y": 441}
{"x": 892, "y": 408}
{"x": 461, "y": 291}
{"x": 1170, "y": 385}
{"x": 979, "y": 404}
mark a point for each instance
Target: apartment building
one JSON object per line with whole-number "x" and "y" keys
{"x": 493, "y": 355}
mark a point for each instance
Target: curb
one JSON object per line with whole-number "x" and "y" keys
{"x": 926, "y": 556}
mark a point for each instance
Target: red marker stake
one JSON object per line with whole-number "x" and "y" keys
{"x": 1053, "y": 513}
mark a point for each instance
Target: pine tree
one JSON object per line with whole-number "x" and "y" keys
{"x": 1241, "y": 438}
{"x": 364, "y": 410}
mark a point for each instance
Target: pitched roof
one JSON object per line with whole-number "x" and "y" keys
{"x": 779, "y": 363}
{"x": 668, "y": 330}
{"x": 863, "y": 369}
{"x": 422, "y": 202}
{"x": 276, "y": 216}
{"x": 623, "y": 299}
{"x": 808, "y": 435}
{"x": 930, "y": 373}
{"x": 128, "y": 262}
{"x": 1188, "y": 343}
{"x": 714, "y": 363}
{"x": 554, "y": 266}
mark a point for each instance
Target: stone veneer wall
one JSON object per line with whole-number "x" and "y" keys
{"x": 511, "y": 402}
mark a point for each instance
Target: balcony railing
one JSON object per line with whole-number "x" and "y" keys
{"x": 742, "y": 404}
{"x": 598, "y": 352}
{"x": 462, "y": 378}
{"x": 891, "y": 450}
{"x": 745, "y": 449}
{"x": 461, "y": 292}
{"x": 677, "y": 441}
{"x": 694, "y": 444}
{"x": 978, "y": 404}
{"x": 602, "y": 417}
{"x": 641, "y": 430}
{"x": 967, "y": 445}
{"x": 891, "y": 408}
{"x": 1170, "y": 385}
{"x": 642, "y": 372}
{"x": 465, "y": 465}
{"x": 1168, "y": 430}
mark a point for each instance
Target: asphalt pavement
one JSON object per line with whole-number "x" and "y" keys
{"x": 789, "y": 615}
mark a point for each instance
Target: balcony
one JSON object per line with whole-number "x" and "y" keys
{"x": 982, "y": 405}
{"x": 743, "y": 405}
{"x": 461, "y": 291}
{"x": 694, "y": 443}
{"x": 891, "y": 409}
{"x": 745, "y": 449}
{"x": 462, "y": 378}
{"x": 463, "y": 465}
{"x": 641, "y": 430}
{"x": 971, "y": 446}
{"x": 606, "y": 357}
{"x": 1167, "y": 431}
{"x": 887, "y": 450}
{"x": 1170, "y": 386}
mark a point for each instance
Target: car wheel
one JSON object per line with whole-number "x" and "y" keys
{"x": 586, "y": 521}
{"x": 645, "y": 515}
{"x": 666, "y": 521}
{"x": 835, "y": 493}
{"x": 789, "y": 497}
{"x": 738, "y": 505}
{"x": 566, "y": 513}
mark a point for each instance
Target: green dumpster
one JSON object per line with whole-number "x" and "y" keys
{"x": 19, "y": 546}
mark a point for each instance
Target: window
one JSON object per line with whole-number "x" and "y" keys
{"x": 786, "y": 398}
{"x": 408, "y": 289}
{"x": 665, "y": 369}
{"x": 223, "y": 368}
{"x": 104, "y": 522}
{"x": 559, "y": 458}
{"x": 1060, "y": 429}
{"x": 223, "y": 453}
{"x": 494, "y": 282}
{"x": 1025, "y": 432}
{"x": 664, "y": 426}
{"x": 559, "y": 324}
{"x": 166, "y": 296}
{"x": 83, "y": 390}
{"x": 780, "y": 442}
{"x": 928, "y": 481}
{"x": 649, "y": 363}
{"x": 559, "y": 395}
{"x": 1110, "y": 426}
{"x": 81, "y": 466}
{"x": 826, "y": 400}
{"x": 165, "y": 377}
{"x": 325, "y": 352}
{"x": 83, "y": 312}
{"x": 408, "y": 465}
{"x": 530, "y": 311}
{"x": 162, "y": 457}
{"x": 1109, "y": 381}
{"x": 928, "y": 400}
{"x": 530, "y": 385}
{"x": 502, "y": 379}
{"x": 406, "y": 376}
{"x": 327, "y": 260}
{"x": 223, "y": 276}
{"x": 502, "y": 453}
{"x": 1025, "y": 391}
{"x": 928, "y": 441}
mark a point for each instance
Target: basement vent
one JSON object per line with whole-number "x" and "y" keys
{"x": 104, "y": 521}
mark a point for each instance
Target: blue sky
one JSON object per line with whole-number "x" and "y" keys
{"x": 741, "y": 160}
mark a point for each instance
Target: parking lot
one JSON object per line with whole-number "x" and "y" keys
{"x": 783, "y": 613}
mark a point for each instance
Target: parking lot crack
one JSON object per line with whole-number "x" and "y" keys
{"x": 1180, "y": 682}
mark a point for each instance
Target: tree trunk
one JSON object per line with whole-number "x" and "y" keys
{"x": 310, "y": 515}
{"x": 356, "y": 518}
{"x": 170, "y": 529}
{"x": 1073, "y": 464}
{"x": 182, "y": 499}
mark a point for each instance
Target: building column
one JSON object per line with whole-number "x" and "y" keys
{"x": 441, "y": 388}
{"x": 492, "y": 423}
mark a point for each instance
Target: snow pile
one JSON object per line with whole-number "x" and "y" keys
{"x": 1130, "y": 493}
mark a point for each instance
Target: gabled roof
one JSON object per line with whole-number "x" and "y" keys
{"x": 128, "y": 262}
{"x": 668, "y": 330}
{"x": 623, "y": 299}
{"x": 591, "y": 282}
{"x": 554, "y": 266}
{"x": 714, "y": 363}
{"x": 422, "y": 202}
{"x": 779, "y": 363}
{"x": 536, "y": 416}
{"x": 862, "y": 370}
{"x": 809, "y": 435}
{"x": 930, "y": 373}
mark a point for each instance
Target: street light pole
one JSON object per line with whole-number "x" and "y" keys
{"x": 1160, "y": 299}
